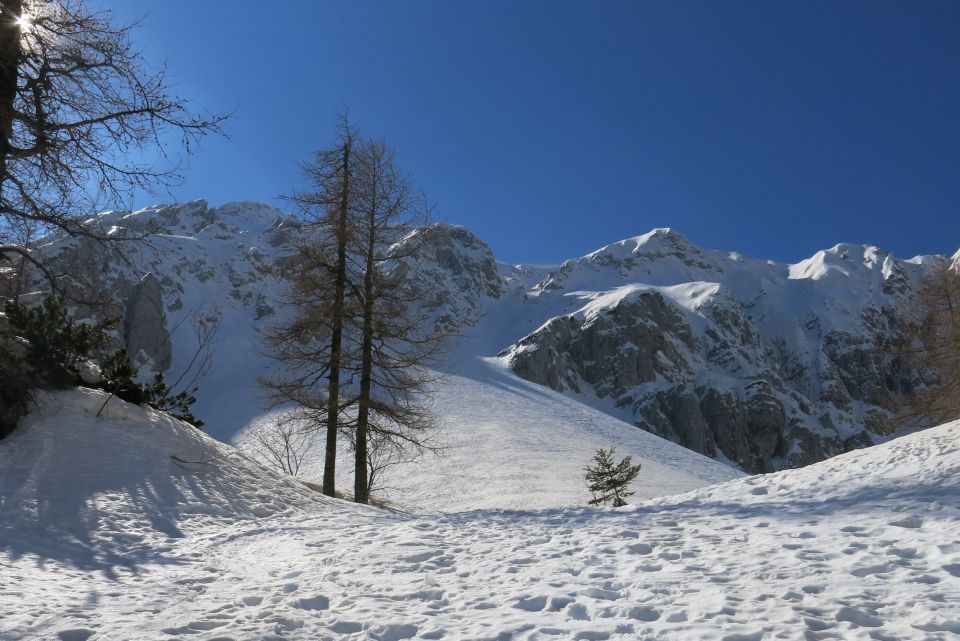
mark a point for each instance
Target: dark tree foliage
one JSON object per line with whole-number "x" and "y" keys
{"x": 14, "y": 394}
{"x": 162, "y": 398}
{"x": 608, "y": 481}
{"x": 120, "y": 379}
{"x": 52, "y": 345}
{"x": 40, "y": 347}
{"x": 43, "y": 347}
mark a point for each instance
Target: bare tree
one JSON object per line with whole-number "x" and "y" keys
{"x": 309, "y": 349}
{"x": 383, "y": 453}
{"x": 934, "y": 352}
{"x": 283, "y": 443}
{"x": 356, "y": 348}
{"x": 396, "y": 342}
{"x": 81, "y": 114}
{"x": 205, "y": 327}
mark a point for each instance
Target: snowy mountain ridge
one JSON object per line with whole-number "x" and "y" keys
{"x": 697, "y": 345}
{"x": 762, "y": 364}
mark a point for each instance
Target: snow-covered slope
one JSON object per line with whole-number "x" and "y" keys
{"x": 756, "y": 363}
{"x": 104, "y": 536}
{"x": 117, "y": 488}
{"x": 511, "y": 444}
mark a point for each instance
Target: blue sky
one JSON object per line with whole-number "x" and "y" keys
{"x": 552, "y": 128}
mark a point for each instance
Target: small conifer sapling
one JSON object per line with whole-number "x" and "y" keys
{"x": 608, "y": 481}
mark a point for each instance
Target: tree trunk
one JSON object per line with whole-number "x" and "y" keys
{"x": 10, "y": 52}
{"x": 361, "y": 484}
{"x": 336, "y": 336}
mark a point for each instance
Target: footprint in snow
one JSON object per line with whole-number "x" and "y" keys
{"x": 345, "y": 627}
{"x": 640, "y": 548}
{"x": 644, "y": 613}
{"x": 925, "y": 579}
{"x": 318, "y": 602}
{"x": 578, "y": 611}
{"x": 393, "y": 632}
{"x": 882, "y": 568}
{"x": 858, "y": 617}
{"x": 905, "y": 553}
{"x": 531, "y": 603}
{"x": 911, "y": 522}
{"x": 750, "y": 636}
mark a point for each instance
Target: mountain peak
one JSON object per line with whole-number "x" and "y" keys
{"x": 655, "y": 241}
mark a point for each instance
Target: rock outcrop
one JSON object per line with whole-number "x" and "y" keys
{"x": 145, "y": 324}
{"x": 454, "y": 272}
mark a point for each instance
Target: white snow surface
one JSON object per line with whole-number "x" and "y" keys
{"x": 510, "y": 444}
{"x": 103, "y": 535}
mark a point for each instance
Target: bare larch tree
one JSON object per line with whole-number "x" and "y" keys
{"x": 396, "y": 341}
{"x": 352, "y": 356}
{"x": 309, "y": 349}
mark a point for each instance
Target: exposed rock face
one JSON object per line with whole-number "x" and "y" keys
{"x": 199, "y": 264}
{"x": 768, "y": 365}
{"x": 145, "y": 324}
{"x": 635, "y": 343}
{"x": 454, "y": 272}
{"x": 643, "y": 354}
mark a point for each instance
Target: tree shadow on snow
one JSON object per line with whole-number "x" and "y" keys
{"x": 122, "y": 504}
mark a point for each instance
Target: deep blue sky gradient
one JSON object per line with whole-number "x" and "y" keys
{"x": 552, "y": 128}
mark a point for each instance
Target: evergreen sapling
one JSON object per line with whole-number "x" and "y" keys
{"x": 608, "y": 481}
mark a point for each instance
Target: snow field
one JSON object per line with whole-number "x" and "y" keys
{"x": 509, "y": 443}
{"x": 95, "y": 545}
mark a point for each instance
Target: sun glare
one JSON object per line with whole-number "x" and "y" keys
{"x": 23, "y": 21}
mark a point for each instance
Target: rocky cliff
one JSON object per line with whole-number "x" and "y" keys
{"x": 767, "y": 365}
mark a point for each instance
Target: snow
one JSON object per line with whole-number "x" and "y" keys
{"x": 689, "y": 296}
{"x": 134, "y": 526}
{"x": 221, "y": 262}
{"x": 104, "y": 536}
{"x": 511, "y": 444}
